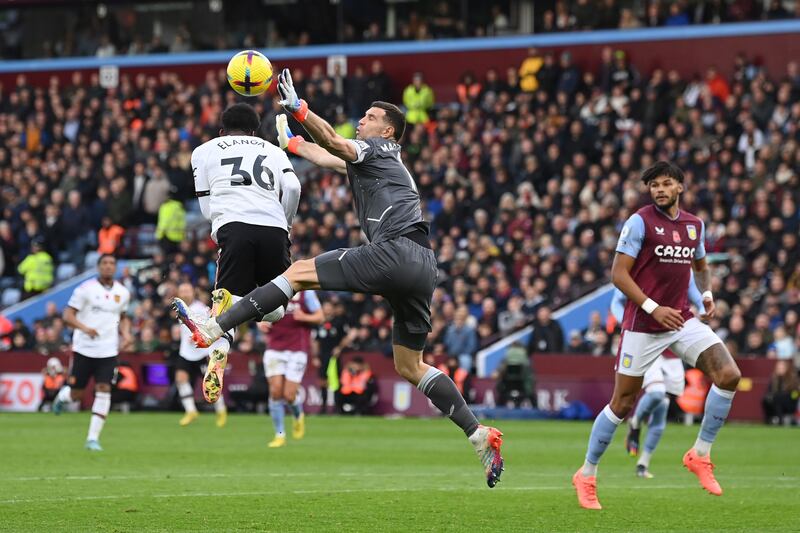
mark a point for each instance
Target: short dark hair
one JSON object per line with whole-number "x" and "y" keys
{"x": 662, "y": 168}
{"x": 103, "y": 256}
{"x": 394, "y": 116}
{"x": 240, "y": 117}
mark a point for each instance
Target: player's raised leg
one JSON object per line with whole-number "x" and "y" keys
{"x": 716, "y": 362}
{"x": 626, "y": 388}
{"x": 444, "y": 394}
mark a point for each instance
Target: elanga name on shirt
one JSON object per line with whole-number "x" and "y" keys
{"x": 238, "y": 142}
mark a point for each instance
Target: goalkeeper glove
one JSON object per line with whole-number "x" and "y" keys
{"x": 286, "y": 139}
{"x": 289, "y": 99}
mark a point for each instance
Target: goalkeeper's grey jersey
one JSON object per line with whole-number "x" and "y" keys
{"x": 385, "y": 194}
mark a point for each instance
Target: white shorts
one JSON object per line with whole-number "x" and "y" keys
{"x": 638, "y": 351}
{"x": 285, "y": 363}
{"x": 665, "y": 375}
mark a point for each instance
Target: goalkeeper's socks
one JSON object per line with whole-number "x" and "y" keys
{"x": 444, "y": 394}
{"x": 278, "y": 412}
{"x": 718, "y": 404}
{"x": 257, "y": 303}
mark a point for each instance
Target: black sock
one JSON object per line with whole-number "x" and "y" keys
{"x": 253, "y": 306}
{"x": 444, "y": 394}
{"x": 324, "y": 406}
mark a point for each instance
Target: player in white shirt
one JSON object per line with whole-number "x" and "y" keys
{"x": 247, "y": 188}
{"x": 191, "y": 363}
{"x": 96, "y": 311}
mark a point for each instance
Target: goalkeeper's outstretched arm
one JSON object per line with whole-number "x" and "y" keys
{"x": 312, "y": 152}
{"x": 322, "y": 132}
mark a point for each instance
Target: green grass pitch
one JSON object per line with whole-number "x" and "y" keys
{"x": 375, "y": 475}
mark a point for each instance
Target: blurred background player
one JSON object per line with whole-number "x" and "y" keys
{"x": 397, "y": 263}
{"x": 190, "y": 362}
{"x": 665, "y": 376}
{"x": 247, "y": 188}
{"x": 54, "y": 379}
{"x": 657, "y": 248}
{"x": 96, "y": 311}
{"x": 285, "y": 360}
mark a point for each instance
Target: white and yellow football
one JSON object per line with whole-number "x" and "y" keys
{"x": 249, "y": 73}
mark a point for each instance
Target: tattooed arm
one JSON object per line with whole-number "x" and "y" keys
{"x": 702, "y": 278}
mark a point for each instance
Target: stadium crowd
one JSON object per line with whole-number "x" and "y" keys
{"x": 526, "y": 180}
{"x": 97, "y": 29}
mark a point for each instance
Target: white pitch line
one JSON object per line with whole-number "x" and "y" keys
{"x": 562, "y": 487}
{"x": 168, "y": 477}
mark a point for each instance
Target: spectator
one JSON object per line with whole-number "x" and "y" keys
{"x": 109, "y": 238}
{"x": 378, "y": 85}
{"x": 784, "y": 346}
{"x": 468, "y": 90}
{"x": 547, "y": 336}
{"x": 677, "y": 15}
{"x": 37, "y": 269}
{"x": 780, "y": 401}
{"x": 54, "y": 378}
{"x": 528, "y": 71}
{"x": 75, "y": 223}
{"x": 576, "y": 343}
{"x": 461, "y": 339}
{"x": 459, "y": 376}
{"x": 155, "y": 192}
{"x": 419, "y": 99}
{"x": 171, "y": 228}
{"x": 357, "y": 387}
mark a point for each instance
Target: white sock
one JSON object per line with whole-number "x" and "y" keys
{"x": 65, "y": 394}
{"x": 634, "y": 422}
{"x": 644, "y": 459}
{"x": 219, "y": 405}
{"x": 187, "y": 397}
{"x": 100, "y": 409}
{"x": 702, "y": 447}
{"x": 589, "y": 469}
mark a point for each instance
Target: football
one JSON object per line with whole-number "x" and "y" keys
{"x": 249, "y": 73}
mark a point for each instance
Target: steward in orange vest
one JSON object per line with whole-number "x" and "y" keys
{"x": 356, "y": 388}
{"x": 693, "y": 399}
{"x": 459, "y": 376}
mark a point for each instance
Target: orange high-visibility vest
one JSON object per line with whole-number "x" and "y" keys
{"x": 126, "y": 379}
{"x": 459, "y": 378}
{"x": 354, "y": 383}
{"x": 53, "y": 382}
{"x": 693, "y": 398}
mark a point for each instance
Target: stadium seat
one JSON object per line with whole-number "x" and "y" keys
{"x": 65, "y": 271}
{"x": 10, "y": 296}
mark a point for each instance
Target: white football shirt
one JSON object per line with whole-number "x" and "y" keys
{"x": 247, "y": 180}
{"x": 188, "y": 350}
{"x": 100, "y": 308}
